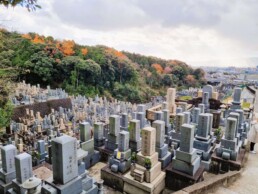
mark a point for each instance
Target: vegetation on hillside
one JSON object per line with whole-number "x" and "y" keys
{"x": 91, "y": 70}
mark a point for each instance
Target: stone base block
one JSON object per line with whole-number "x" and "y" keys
{"x": 112, "y": 138}
{"x": 88, "y": 146}
{"x": 219, "y": 165}
{"x": 88, "y": 186}
{"x": 132, "y": 186}
{"x": 73, "y": 186}
{"x": 165, "y": 161}
{"x": 7, "y": 177}
{"x": 175, "y": 135}
{"x": 200, "y": 138}
{"x": 122, "y": 165}
{"x": 110, "y": 145}
{"x": 135, "y": 145}
{"x": 162, "y": 151}
{"x": 206, "y": 165}
{"x": 188, "y": 168}
{"x": 4, "y": 187}
{"x": 151, "y": 174}
{"x": 176, "y": 180}
{"x": 81, "y": 168}
{"x": 91, "y": 159}
{"x": 187, "y": 157}
{"x": 16, "y": 188}
{"x": 99, "y": 142}
{"x": 93, "y": 190}
{"x": 141, "y": 158}
{"x": 111, "y": 179}
{"x": 202, "y": 145}
{"x": 126, "y": 155}
{"x": 229, "y": 144}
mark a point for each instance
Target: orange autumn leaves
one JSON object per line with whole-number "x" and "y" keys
{"x": 116, "y": 53}
{"x": 65, "y": 46}
{"x": 84, "y": 51}
{"x": 158, "y": 68}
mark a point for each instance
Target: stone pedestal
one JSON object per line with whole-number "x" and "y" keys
{"x": 177, "y": 180}
{"x": 186, "y": 159}
{"x": 132, "y": 186}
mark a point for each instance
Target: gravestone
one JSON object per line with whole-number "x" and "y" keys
{"x": 186, "y": 159}
{"x": 7, "y": 172}
{"x": 135, "y": 139}
{"x": 179, "y": 110}
{"x": 143, "y": 172}
{"x": 176, "y": 132}
{"x": 65, "y": 170}
{"x": 23, "y": 166}
{"x": 158, "y": 115}
{"x": 203, "y": 141}
{"x": 87, "y": 144}
{"x": 167, "y": 122}
{"x": 161, "y": 147}
{"x": 99, "y": 139}
{"x": 124, "y": 121}
{"x": 187, "y": 118}
{"x": 171, "y": 97}
{"x": 229, "y": 147}
{"x": 121, "y": 159}
{"x": 141, "y": 117}
{"x": 208, "y": 89}
{"x": 195, "y": 117}
{"x": 236, "y": 104}
{"x": 202, "y": 108}
{"x": 41, "y": 149}
{"x": 111, "y": 142}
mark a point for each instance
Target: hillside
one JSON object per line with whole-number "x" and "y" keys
{"x": 90, "y": 70}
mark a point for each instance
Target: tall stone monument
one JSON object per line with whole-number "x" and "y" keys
{"x": 87, "y": 144}
{"x": 186, "y": 159}
{"x": 121, "y": 160}
{"x": 146, "y": 175}
{"x": 161, "y": 147}
{"x": 111, "y": 143}
{"x": 229, "y": 148}
{"x": 135, "y": 138}
{"x": 171, "y": 97}
{"x": 65, "y": 170}
{"x": 7, "y": 172}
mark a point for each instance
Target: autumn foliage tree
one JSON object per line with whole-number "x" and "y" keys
{"x": 38, "y": 39}
{"x": 190, "y": 80}
{"x": 84, "y": 51}
{"x": 66, "y": 47}
{"x": 158, "y": 68}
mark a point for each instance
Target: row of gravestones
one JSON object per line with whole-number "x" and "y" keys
{"x": 17, "y": 175}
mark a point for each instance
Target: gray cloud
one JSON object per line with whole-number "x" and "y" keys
{"x": 100, "y": 14}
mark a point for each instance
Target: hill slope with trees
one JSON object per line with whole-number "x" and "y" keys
{"x": 90, "y": 70}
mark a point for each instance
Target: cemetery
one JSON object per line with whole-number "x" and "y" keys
{"x": 164, "y": 146}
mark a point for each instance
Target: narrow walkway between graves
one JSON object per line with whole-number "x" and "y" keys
{"x": 248, "y": 182}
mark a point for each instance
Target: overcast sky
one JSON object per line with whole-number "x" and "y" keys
{"x": 199, "y": 32}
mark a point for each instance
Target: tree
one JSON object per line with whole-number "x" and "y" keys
{"x": 5, "y": 115}
{"x": 167, "y": 80}
{"x": 190, "y": 80}
{"x": 157, "y": 67}
{"x": 67, "y": 47}
{"x": 31, "y": 5}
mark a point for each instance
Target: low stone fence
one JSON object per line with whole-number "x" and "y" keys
{"x": 43, "y": 107}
